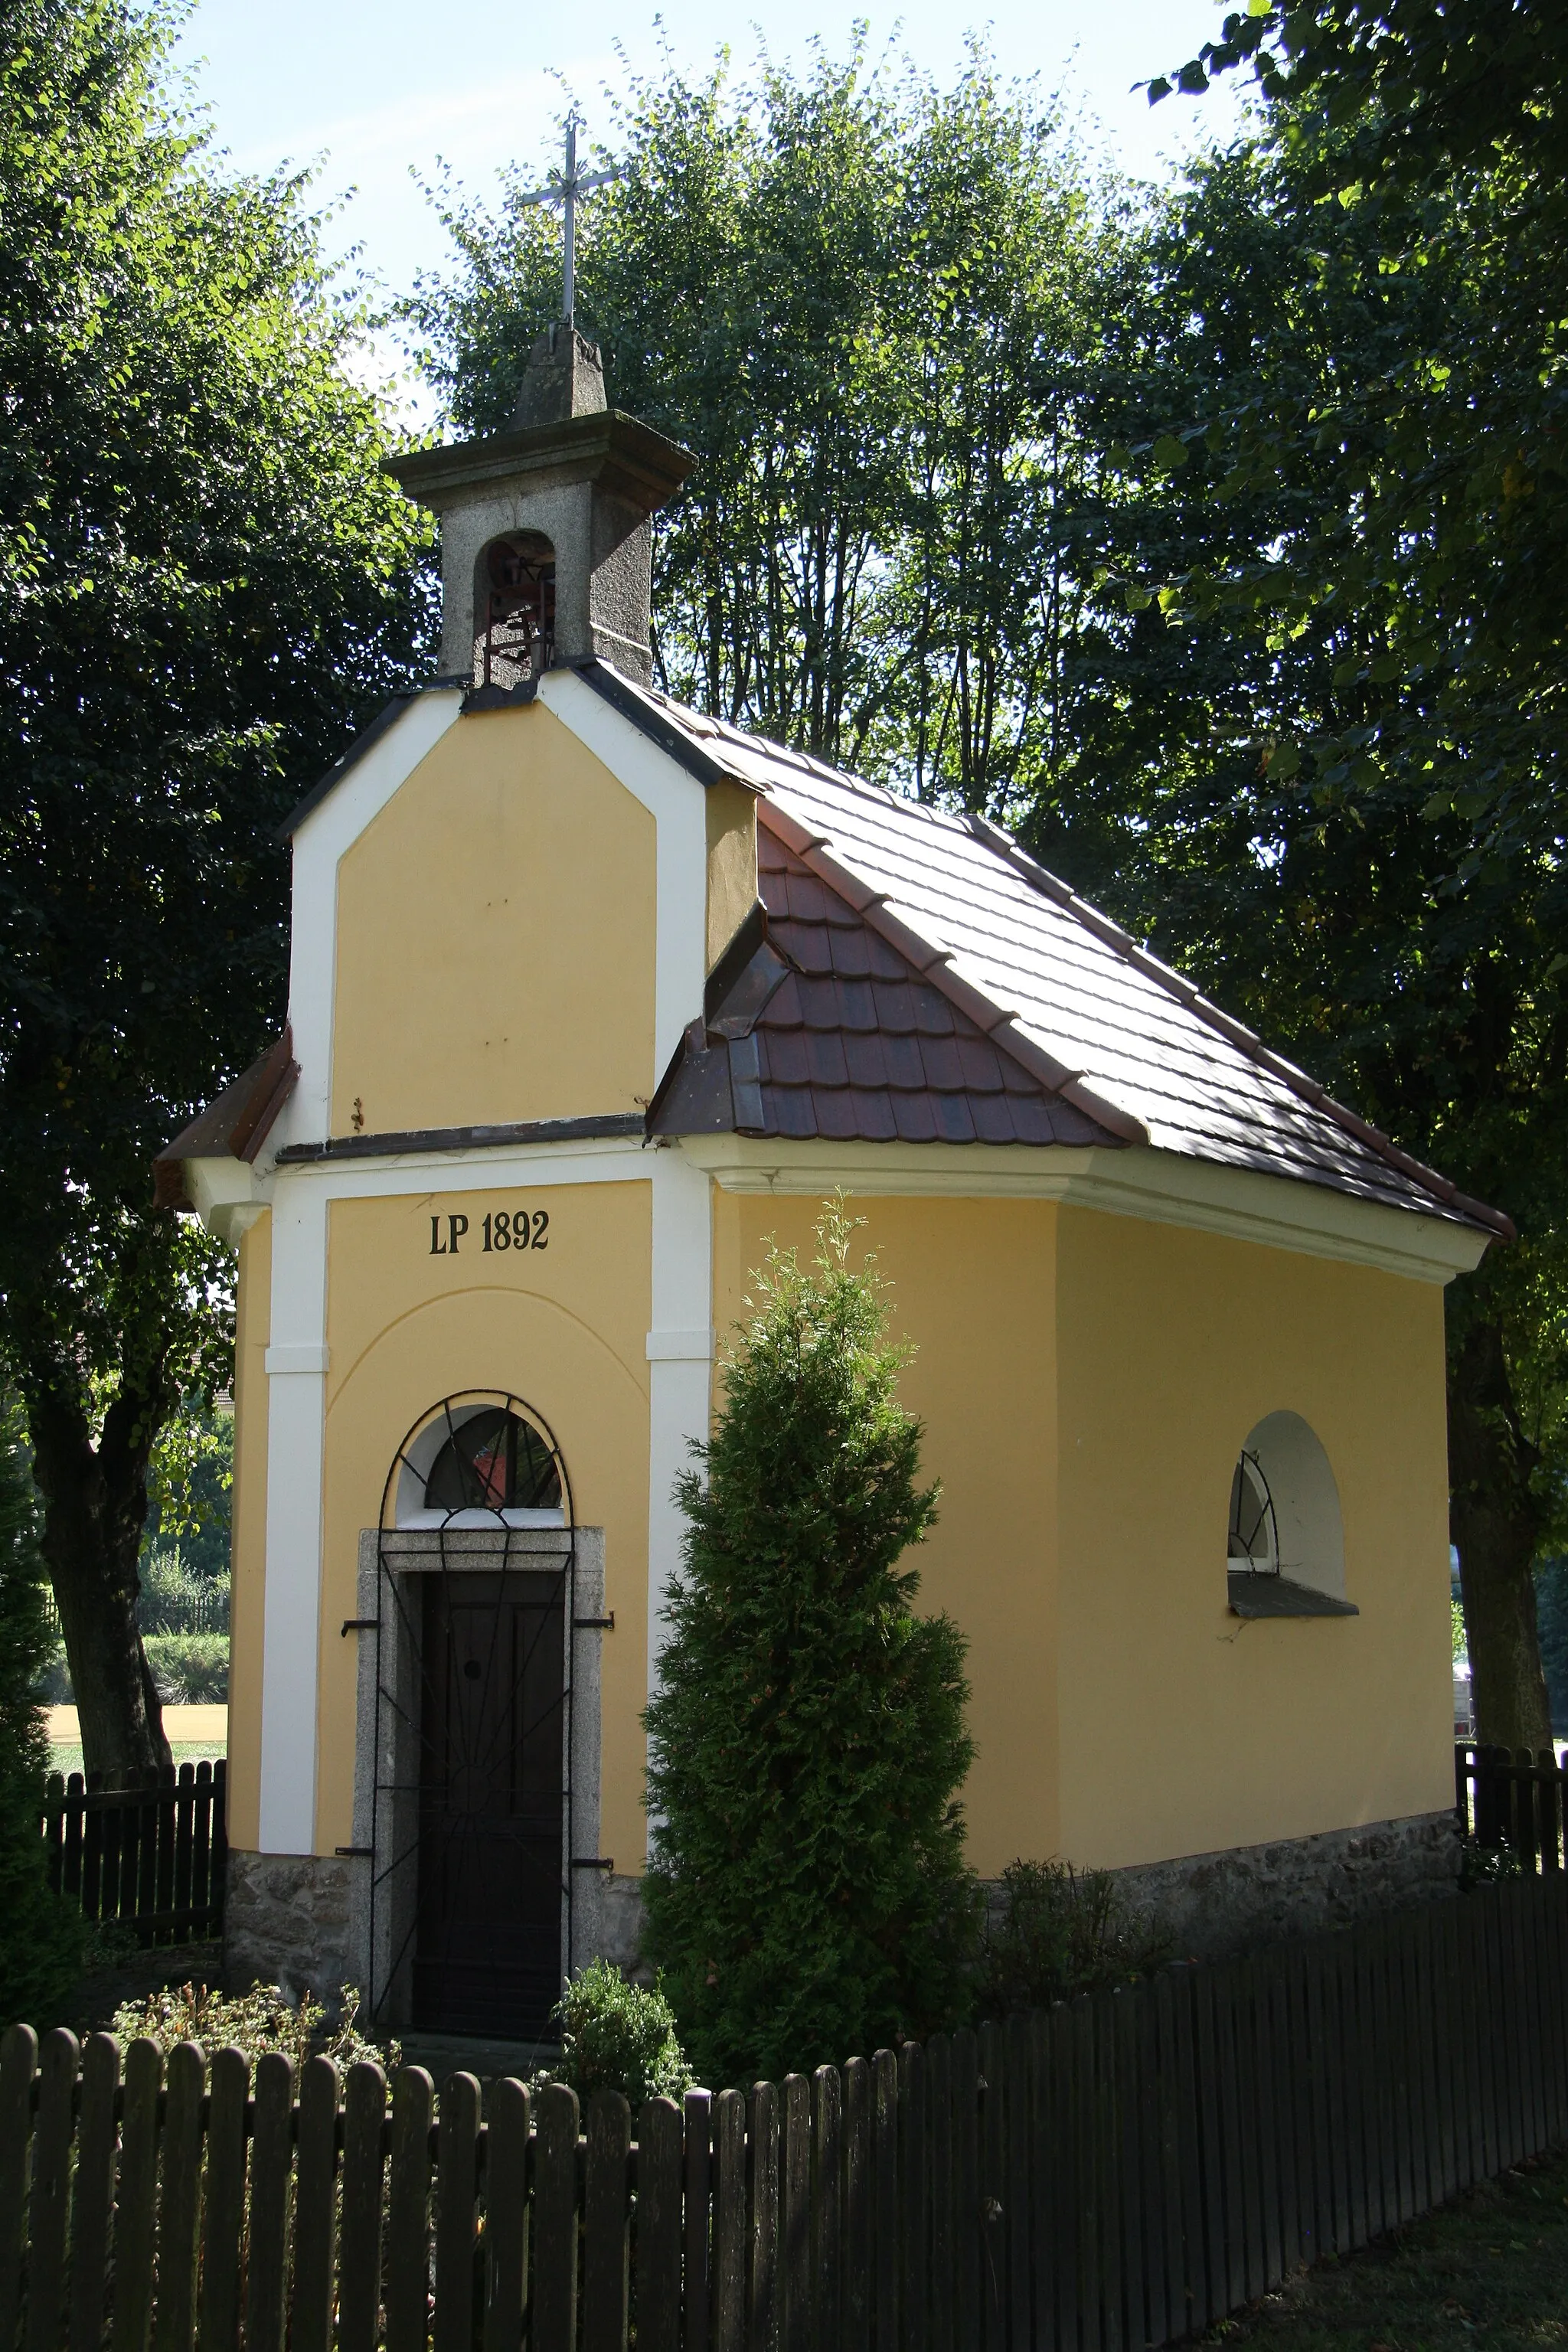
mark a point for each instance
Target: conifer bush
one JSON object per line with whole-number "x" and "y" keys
{"x": 807, "y": 1895}
{"x": 41, "y": 1933}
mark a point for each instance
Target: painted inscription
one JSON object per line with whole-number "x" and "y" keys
{"x": 501, "y": 1229}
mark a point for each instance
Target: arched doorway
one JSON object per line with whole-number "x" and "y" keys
{"x": 471, "y": 1834}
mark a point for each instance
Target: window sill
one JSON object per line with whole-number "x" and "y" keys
{"x": 1252, "y": 1595}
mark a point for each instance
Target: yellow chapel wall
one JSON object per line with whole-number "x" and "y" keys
{"x": 495, "y": 938}
{"x": 564, "y": 1328}
{"x": 1185, "y": 1729}
{"x": 248, "y": 1538}
{"x": 974, "y": 1289}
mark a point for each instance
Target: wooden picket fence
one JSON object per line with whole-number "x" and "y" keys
{"x": 1514, "y": 1801}
{"x": 150, "y": 1852}
{"x": 1103, "y": 2176}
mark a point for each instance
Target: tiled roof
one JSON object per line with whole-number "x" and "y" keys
{"x": 819, "y": 1025}
{"x": 1148, "y": 1051}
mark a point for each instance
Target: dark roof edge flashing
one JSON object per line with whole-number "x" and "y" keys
{"x": 1050, "y": 886}
{"x": 613, "y": 688}
{"x": 463, "y": 1139}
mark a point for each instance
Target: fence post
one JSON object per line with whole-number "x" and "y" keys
{"x": 827, "y": 2202}
{"x": 456, "y": 2202}
{"x": 506, "y": 2221}
{"x": 554, "y": 2222}
{"x": 607, "y": 2224}
{"x": 763, "y": 2205}
{"x": 701, "y": 2256}
{"x": 93, "y": 2197}
{"x": 50, "y": 2202}
{"x": 315, "y": 2201}
{"x": 222, "y": 2218}
{"x": 359, "y": 2231}
{"x": 136, "y": 2212}
{"x": 271, "y": 2153}
{"x": 408, "y": 2212}
{"x": 729, "y": 2227}
{"x": 658, "y": 2231}
{"x": 795, "y": 2215}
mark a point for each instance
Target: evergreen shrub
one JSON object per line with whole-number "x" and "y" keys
{"x": 807, "y": 1895}
{"x": 41, "y": 1933}
{"x": 619, "y": 2036}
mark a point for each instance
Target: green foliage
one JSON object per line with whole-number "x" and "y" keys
{"x": 190, "y": 1669}
{"x": 1057, "y": 1932}
{"x": 807, "y": 1895}
{"x": 256, "y": 2021}
{"x": 1349, "y": 807}
{"x": 1551, "y": 1622}
{"x": 1457, "y": 1615}
{"x": 868, "y": 304}
{"x": 190, "y": 1480}
{"x": 177, "y": 1599}
{"x": 40, "y": 1932}
{"x": 205, "y": 584}
{"x": 618, "y": 2036}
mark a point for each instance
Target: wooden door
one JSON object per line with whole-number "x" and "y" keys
{"x": 491, "y": 1804}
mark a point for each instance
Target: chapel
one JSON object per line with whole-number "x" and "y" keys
{"x": 590, "y": 997}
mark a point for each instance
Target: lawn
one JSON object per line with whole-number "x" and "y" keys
{"x": 1488, "y": 2274}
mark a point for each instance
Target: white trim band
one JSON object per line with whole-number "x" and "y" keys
{"x": 294, "y": 1360}
{"x": 680, "y": 1347}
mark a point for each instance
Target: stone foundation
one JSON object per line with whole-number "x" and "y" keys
{"x": 289, "y": 1920}
{"x": 1217, "y": 1905}
{"x": 296, "y": 1920}
{"x": 1213, "y": 1906}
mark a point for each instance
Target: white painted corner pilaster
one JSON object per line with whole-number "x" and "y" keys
{"x": 681, "y": 1368}
{"x": 296, "y": 1367}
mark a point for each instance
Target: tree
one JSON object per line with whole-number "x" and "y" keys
{"x": 1364, "y": 463}
{"x": 205, "y": 585}
{"x": 806, "y": 1890}
{"x": 860, "y": 299}
{"x": 40, "y": 1932}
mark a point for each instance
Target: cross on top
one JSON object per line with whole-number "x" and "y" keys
{"x": 564, "y": 189}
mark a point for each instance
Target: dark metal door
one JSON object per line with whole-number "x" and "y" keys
{"x": 489, "y": 1933}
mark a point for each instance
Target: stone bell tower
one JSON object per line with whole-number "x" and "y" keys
{"x": 546, "y": 547}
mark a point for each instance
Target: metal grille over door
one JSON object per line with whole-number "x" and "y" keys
{"x": 471, "y": 1834}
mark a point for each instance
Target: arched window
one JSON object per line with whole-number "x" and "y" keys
{"x": 514, "y": 610}
{"x": 1285, "y": 1548}
{"x": 479, "y": 1463}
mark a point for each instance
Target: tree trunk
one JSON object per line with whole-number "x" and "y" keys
{"x": 1497, "y": 1521}
{"x": 95, "y": 1509}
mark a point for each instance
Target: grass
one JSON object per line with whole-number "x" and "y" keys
{"x": 1488, "y": 2274}
{"x": 64, "y": 1757}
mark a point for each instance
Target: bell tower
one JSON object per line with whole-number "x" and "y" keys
{"x": 546, "y": 546}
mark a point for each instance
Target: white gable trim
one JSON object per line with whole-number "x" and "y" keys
{"x": 320, "y": 842}
{"x": 1163, "y": 1187}
{"x": 677, "y": 803}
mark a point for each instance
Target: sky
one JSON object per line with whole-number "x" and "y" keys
{"x": 370, "y": 89}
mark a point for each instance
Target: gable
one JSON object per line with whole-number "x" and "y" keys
{"x": 495, "y": 938}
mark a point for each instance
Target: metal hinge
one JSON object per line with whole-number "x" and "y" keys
{"x": 369, "y": 1850}
{"x": 593, "y": 1861}
{"x": 359, "y": 1625}
{"x": 595, "y": 1624}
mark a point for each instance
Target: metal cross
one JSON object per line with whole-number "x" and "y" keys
{"x": 564, "y": 189}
